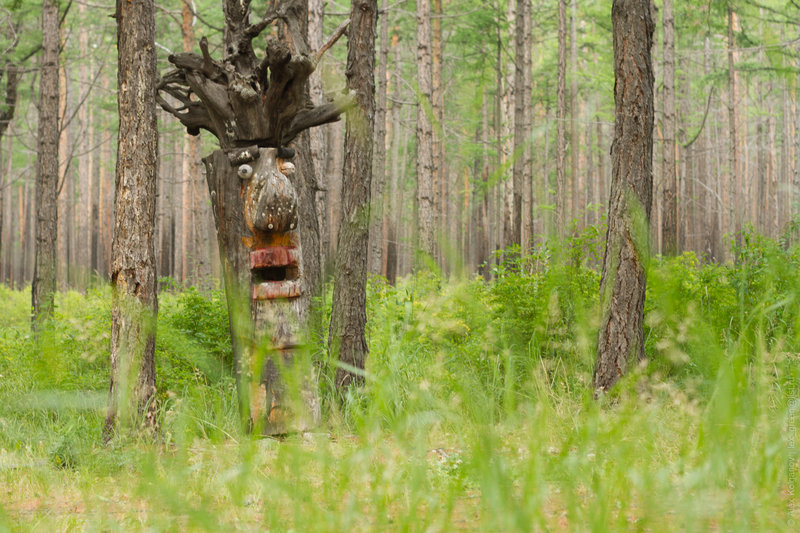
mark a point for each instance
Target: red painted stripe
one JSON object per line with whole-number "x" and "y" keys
{"x": 273, "y": 256}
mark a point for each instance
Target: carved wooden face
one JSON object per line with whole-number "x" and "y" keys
{"x": 270, "y": 198}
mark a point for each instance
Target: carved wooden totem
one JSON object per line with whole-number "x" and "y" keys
{"x": 256, "y": 107}
{"x": 255, "y": 205}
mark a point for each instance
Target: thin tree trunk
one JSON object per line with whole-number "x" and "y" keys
{"x": 561, "y": 117}
{"x": 63, "y": 196}
{"x": 735, "y": 182}
{"x": 44, "y": 273}
{"x": 784, "y": 191}
{"x": 393, "y": 251}
{"x": 194, "y": 254}
{"x": 133, "y": 272}
{"x": 574, "y": 141}
{"x": 6, "y": 216}
{"x": 105, "y": 193}
{"x": 774, "y": 209}
{"x": 521, "y": 172}
{"x": 482, "y": 226}
{"x": 669, "y": 229}
{"x": 83, "y": 201}
{"x": 378, "y": 224}
{"x": 318, "y": 136}
{"x": 624, "y": 278}
{"x": 334, "y": 185}
{"x": 437, "y": 114}
{"x": 425, "y": 167}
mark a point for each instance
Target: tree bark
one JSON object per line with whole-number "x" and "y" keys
{"x": 425, "y": 167}
{"x": 379, "y": 203}
{"x": 735, "y": 183}
{"x": 561, "y": 117}
{"x": 521, "y": 169}
{"x": 318, "y": 136}
{"x": 133, "y": 273}
{"x": 574, "y": 141}
{"x": 670, "y": 175}
{"x": 83, "y": 203}
{"x": 44, "y": 274}
{"x": 347, "y": 341}
{"x": 190, "y": 178}
{"x": 624, "y": 278}
{"x": 440, "y": 190}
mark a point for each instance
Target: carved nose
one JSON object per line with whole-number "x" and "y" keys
{"x": 273, "y": 204}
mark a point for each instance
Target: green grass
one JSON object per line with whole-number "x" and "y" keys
{"x": 477, "y": 415}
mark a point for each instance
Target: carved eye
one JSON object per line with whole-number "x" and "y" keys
{"x": 245, "y": 171}
{"x": 287, "y": 168}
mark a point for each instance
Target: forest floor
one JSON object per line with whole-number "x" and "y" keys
{"x": 478, "y": 414}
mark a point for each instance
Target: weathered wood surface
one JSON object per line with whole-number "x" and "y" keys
{"x": 263, "y": 277}
{"x": 243, "y": 100}
{"x": 256, "y": 106}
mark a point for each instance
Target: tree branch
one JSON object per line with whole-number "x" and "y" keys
{"x": 323, "y": 114}
{"x": 331, "y": 40}
{"x": 703, "y": 124}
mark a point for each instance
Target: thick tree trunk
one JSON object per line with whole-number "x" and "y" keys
{"x": 347, "y": 341}
{"x": 133, "y": 270}
{"x": 44, "y": 273}
{"x": 670, "y": 204}
{"x": 622, "y": 286}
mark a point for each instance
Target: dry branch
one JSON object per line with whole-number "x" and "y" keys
{"x": 245, "y": 101}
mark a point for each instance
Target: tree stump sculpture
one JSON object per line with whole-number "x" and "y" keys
{"x": 256, "y": 108}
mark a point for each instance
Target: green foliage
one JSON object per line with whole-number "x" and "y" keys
{"x": 477, "y": 413}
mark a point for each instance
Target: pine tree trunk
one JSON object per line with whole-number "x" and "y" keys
{"x": 670, "y": 175}
{"x": 319, "y": 136}
{"x": 735, "y": 183}
{"x": 574, "y": 140}
{"x": 624, "y": 278}
{"x": 395, "y": 199}
{"x": 378, "y": 202}
{"x": 521, "y": 113}
{"x": 561, "y": 117}
{"x": 83, "y": 203}
{"x": 133, "y": 270}
{"x": 347, "y": 341}
{"x": 44, "y": 273}
{"x": 425, "y": 168}
{"x": 440, "y": 197}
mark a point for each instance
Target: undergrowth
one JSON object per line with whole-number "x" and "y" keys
{"x": 478, "y": 412}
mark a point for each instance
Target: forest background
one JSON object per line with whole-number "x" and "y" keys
{"x": 728, "y": 146}
{"x": 478, "y": 412}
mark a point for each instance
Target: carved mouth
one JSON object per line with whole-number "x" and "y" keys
{"x": 275, "y": 273}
